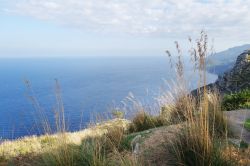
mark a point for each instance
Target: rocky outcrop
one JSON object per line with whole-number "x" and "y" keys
{"x": 238, "y": 77}
{"x": 223, "y": 61}
{"x": 233, "y": 80}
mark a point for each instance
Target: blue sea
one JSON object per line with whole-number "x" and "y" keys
{"x": 89, "y": 86}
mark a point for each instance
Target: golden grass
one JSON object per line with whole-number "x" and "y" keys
{"x": 41, "y": 144}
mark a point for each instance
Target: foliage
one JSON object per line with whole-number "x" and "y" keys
{"x": 205, "y": 125}
{"x": 199, "y": 143}
{"x": 247, "y": 124}
{"x": 194, "y": 149}
{"x": 177, "y": 111}
{"x": 237, "y": 100}
{"x": 243, "y": 144}
{"x": 90, "y": 152}
{"x": 93, "y": 146}
{"x": 117, "y": 113}
{"x": 143, "y": 121}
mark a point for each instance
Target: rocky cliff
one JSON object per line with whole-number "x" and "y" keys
{"x": 236, "y": 78}
{"x": 233, "y": 80}
{"x": 223, "y": 61}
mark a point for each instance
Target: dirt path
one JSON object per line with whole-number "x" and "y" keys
{"x": 236, "y": 120}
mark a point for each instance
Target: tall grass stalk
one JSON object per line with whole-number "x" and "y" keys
{"x": 201, "y": 115}
{"x": 93, "y": 151}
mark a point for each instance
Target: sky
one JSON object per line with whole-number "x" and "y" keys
{"x": 118, "y": 27}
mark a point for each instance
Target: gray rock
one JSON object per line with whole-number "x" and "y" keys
{"x": 135, "y": 144}
{"x": 234, "y": 79}
{"x": 238, "y": 77}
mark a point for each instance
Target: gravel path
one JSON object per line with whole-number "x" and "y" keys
{"x": 236, "y": 120}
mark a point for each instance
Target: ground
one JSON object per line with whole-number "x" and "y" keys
{"x": 154, "y": 148}
{"x": 236, "y": 121}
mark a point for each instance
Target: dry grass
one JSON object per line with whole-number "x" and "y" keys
{"x": 44, "y": 144}
{"x": 144, "y": 121}
{"x": 202, "y": 140}
{"x": 205, "y": 133}
{"x": 93, "y": 146}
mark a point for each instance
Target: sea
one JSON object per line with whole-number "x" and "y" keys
{"x": 88, "y": 86}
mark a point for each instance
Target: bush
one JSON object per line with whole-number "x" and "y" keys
{"x": 91, "y": 152}
{"x": 180, "y": 110}
{"x": 196, "y": 149}
{"x": 243, "y": 144}
{"x": 114, "y": 138}
{"x": 237, "y": 100}
{"x": 143, "y": 121}
{"x": 94, "y": 151}
{"x": 247, "y": 124}
{"x": 117, "y": 113}
{"x": 199, "y": 142}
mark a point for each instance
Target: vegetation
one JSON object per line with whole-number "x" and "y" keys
{"x": 143, "y": 121}
{"x": 199, "y": 130}
{"x": 117, "y": 113}
{"x": 237, "y": 100}
{"x": 103, "y": 144}
{"x": 202, "y": 140}
{"x": 247, "y": 124}
{"x": 243, "y": 144}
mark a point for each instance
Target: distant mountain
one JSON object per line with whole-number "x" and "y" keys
{"x": 225, "y": 60}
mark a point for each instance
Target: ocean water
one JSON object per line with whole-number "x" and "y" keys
{"x": 89, "y": 85}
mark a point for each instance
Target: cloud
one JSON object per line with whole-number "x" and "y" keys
{"x": 144, "y": 17}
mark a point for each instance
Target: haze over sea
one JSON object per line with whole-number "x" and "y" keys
{"x": 89, "y": 85}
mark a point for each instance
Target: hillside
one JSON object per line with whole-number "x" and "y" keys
{"x": 238, "y": 77}
{"x": 223, "y": 61}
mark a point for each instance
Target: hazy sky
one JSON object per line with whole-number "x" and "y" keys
{"x": 117, "y": 27}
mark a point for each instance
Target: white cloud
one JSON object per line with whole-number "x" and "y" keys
{"x": 221, "y": 18}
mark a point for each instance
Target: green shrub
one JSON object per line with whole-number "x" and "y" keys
{"x": 243, "y": 144}
{"x": 236, "y": 100}
{"x": 247, "y": 124}
{"x": 117, "y": 113}
{"x": 143, "y": 121}
{"x": 126, "y": 142}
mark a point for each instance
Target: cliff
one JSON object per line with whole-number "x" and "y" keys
{"x": 238, "y": 77}
{"x": 223, "y": 61}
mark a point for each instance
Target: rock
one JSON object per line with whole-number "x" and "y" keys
{"x": 223, "y": 61}
{"x": 136, "y": 149}
{"x": 233, "y": 80}
{"x": 238, "y": 77}
{"x": 135, "y": 144}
